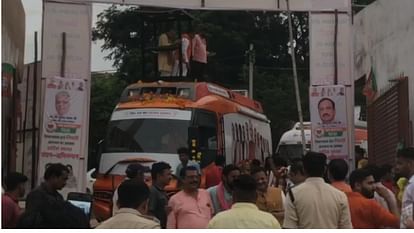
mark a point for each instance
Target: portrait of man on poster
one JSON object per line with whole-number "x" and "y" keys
{"x": 327, "y": 111}
{"x": 62, "y": 103}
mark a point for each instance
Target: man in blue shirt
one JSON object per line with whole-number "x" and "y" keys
{"x": 184, "y": 156}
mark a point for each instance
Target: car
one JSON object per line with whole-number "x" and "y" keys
{"x": 90, "y": 180}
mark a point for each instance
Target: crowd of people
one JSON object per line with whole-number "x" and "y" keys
{"x": 45, "y": 207}
{"x": 310, "y": 192}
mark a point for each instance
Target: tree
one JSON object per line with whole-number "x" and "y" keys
{"x": 228, "y": 35}
{"x": 105, "y": 92}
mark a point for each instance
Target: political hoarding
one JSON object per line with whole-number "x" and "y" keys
{"x": 329, "y": 121}
{"x": 63, "y": 123}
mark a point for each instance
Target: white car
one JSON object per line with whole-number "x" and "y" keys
{"x": 90, "y": 180}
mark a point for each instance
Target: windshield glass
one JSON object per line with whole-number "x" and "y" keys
{"x": 291, "y": 151}
{"x": 147, "y": 135}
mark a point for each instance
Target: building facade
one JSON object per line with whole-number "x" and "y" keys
{"x": 383, "y": 34}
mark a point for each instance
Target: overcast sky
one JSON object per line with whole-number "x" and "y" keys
{"x": 33, "y": 11}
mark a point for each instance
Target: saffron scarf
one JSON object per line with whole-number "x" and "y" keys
{"x": 224, "y": 205}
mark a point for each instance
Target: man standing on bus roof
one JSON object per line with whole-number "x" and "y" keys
{"x": 165, "y": 53}
{"x": 327, "y": 112}
{"x": 184, "y": 156}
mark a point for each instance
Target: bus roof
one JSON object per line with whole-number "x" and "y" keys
{"x": 193, "y": 91}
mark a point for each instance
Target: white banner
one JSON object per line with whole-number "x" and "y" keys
{"x": 329, "y": 121}
{"x": 246, "y": 138}
{"x": 75, "y": 21}
{"x": 63, "y": 124}
{"x": 151, "y": 113}
{"x": 322, "y": 60}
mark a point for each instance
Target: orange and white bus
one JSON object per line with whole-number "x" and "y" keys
{"x": 152, "y": 120}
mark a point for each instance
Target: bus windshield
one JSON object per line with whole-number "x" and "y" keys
{"x": 146, "y": 135}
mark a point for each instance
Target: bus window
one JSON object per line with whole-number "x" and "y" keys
{"x": 290, "y": 151}
{"x": 168, "y": 90}
{"x": 147, "y": 90}
{"x": 206, "y": 123}
{"x": 134, "y": 92}
{"x": 207, "y": 138}
{"x": 212, "y": 143}
{"x": 146, "y": 135}
{"x": 205, "y": 119}
{"x": 184, "y": 92}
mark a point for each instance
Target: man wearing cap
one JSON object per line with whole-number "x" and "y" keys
{"x": 134, "y": 171}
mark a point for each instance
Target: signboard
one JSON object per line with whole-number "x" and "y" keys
{"x": 322, "y": 34}
{"x": 329, "y": 121}
{"x": 63, "y": 123}
{"x": 149, "y": 113}
{"x": 246, "y": 138}
{"x": 75, "y": 21}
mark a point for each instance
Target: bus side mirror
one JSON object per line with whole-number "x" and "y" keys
{"x": 99, "y": 149}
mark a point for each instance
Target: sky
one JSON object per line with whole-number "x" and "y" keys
{"x": 33, "y": 11}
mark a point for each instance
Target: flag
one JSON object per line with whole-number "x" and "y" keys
{"x": 370, "y": 89}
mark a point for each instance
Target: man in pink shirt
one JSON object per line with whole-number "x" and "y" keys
{"x": 10, "y": 210}
{"x": 199, "y": 55}
{"x": 190, "y": 208}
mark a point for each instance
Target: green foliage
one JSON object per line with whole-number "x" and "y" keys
{"x": 228, "y": 36}
{"x": 105, "y": 92}
{"x": 277, "y": 94}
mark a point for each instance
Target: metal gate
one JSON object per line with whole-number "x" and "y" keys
{"x": 388, "y": 124}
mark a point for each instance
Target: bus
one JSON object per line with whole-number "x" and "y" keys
{"x": 153, "y": 119}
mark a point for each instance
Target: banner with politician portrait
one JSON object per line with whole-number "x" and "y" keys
{"x": 61, "y": 133}
{"x": 329, "y": 121}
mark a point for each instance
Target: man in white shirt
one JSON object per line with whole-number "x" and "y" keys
{"x": 314, "y": 203}
{"x": 133, "y": 207}
{"x": 134, "y": 171}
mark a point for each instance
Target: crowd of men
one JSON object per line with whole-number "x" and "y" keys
{"x": 309, "y": 193}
